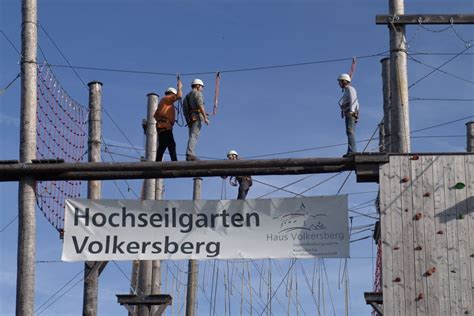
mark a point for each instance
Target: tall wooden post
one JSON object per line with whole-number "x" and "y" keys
{"x": 133, "y": 285}
{"x": 386, "y": 104}
{"x": 470, "y": 136}
{"x": 193, "y": 267}
{"x": 25, "y": 286}
{"x": 156, "y": 264}
{"x": 382, "y": 147}
{"x": 145, "y": 267}
{"x": 400, "y": 126}
{"x": 91, "y": 276}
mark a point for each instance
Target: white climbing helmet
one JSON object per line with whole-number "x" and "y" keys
{"x": 197, "y": 81}
{"x": 231, "y": 153}
{"x": 172, "y": 90}
{"x": 345, "y": 77}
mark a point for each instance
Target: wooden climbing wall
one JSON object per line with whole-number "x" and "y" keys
{"x": 427, "y": 232}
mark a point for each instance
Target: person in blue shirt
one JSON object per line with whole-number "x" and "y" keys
{"x": 349, "y": 111}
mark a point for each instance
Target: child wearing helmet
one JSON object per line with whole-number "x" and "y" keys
{"x": 244, "y": 182}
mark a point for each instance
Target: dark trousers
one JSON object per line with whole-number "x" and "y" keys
{"x": 166, "y": 140}
{"x": 244, "y": 186}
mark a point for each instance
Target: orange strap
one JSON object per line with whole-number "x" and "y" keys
{"x": 353, "y": 68}
{"x": 216, "y": 93}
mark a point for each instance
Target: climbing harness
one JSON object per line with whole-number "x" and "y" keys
{"x": 163, "y": 123}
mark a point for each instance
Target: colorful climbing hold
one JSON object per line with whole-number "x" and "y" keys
{"x": 459, "y": 186}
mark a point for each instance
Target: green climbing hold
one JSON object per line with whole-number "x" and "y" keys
{"x": 459, "y": 186}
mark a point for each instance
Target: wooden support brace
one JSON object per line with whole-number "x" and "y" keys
{"x": 425, "y": 19}
{"x": 375, "y": 300}
{"x": 96, "y": 266}
{"x": 129, "y": 300}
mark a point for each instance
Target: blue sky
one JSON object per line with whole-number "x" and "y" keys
{"x": 261, "y": 112}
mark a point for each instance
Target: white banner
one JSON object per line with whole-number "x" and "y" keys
{"x": 98, "y": 230}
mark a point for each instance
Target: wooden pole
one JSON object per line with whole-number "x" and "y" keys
{"x": 382, "y": 137}
{"x": 386, "y": 104}
{"x": 25, "y": 287}
{"x": 145, "y": 267}
{"x": 400, "y": 127}
{"x": 193, "y": 267}
{"x": 91, "y": 276}
{"x": 133, "y": 285}
{"x": 156, "y": 264}
{"x": 470, "y": 136}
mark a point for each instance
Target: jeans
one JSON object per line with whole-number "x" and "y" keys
{"x": 350, "y": 131}
{"x": 244, "y": 186}
{"x": 194, "y": 130}
{"x": 166, "y": 140}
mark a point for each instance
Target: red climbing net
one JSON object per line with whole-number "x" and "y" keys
{"x": 378, "y": 272}
{"x": 60, "y": 134}
{"x": 378, "y": 269}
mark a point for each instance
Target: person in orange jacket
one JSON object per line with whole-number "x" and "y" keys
{"x": 165, "y": 116}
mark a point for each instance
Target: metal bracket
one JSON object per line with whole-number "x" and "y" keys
{"x": 375, "y": 300}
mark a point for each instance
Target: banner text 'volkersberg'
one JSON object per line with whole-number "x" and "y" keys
{"x": 184, "y": 221}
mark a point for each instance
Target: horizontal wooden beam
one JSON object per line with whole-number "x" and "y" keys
{"x": 180, "y": 169}
{"x": 425, "y": 19}
{"x": 152, "y": 299}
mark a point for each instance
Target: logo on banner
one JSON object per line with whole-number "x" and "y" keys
{"x": 302, "y": 226}
{"x": 300, "y": 220}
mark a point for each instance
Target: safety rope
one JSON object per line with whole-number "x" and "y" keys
{"x": 216, "y": 93}
{"x": 353, "y": 68}
{"x": 179, "y": 114}
{"x": 179, "y": 109}
{"x": 2, "y": 91}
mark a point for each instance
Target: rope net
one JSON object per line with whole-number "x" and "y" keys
{"x": 378, "y": 269}
{"x": 60, "y": 134}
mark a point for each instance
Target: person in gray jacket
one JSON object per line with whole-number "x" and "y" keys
{"x": 349, "y": 110}
{"x": 194, "y": 113}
